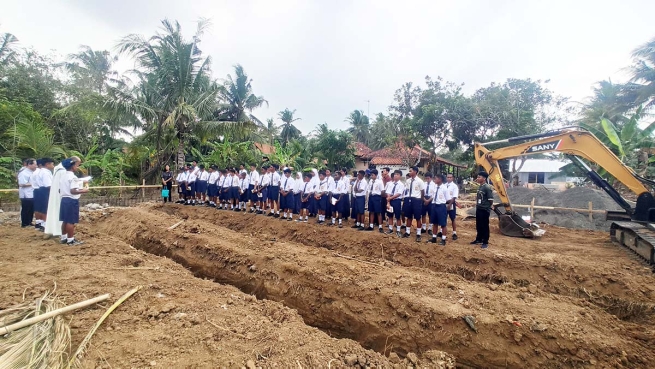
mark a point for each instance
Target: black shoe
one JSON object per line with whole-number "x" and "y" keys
{"x": 290, "y": 219}
{"x": 476, "y": 242}
{"x": 442, "y": 242}
{"x": 340, "y": 225}
{"x": 432, "y": 240}
{"x": 430, "y": 232}
{"x": 63, "y": 242}
{"x": 370, "y": 229}
{"x": 259, "y": 212}
{"x": 361, "y": 228}
{"x": 388, "y": 232}
{"x": 276, "y": 216}
{"x": 454, "y": 237}
{"x": 381, "y": 230}
{"x": 243, "y": 210}
{"x": 418, "y": 238}
{"x": 405, "y": 235}
{"x": 330, "y": 224}
{"x": 439, "y": 235}
{"x": 270, "y": 214}
{"x": 251, "y": 210}
{"x": 399, "y": 234}
{"x": 403, "y": 227}
{"x": 355, "y": 226}
{"x": 237, "y": 209}
{"x": 74, "y": 242}
{"x": 484, "y": 246}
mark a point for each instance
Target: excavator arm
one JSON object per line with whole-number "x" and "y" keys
{"x": 576, "y": 143}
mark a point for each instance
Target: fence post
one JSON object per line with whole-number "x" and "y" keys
{"x": 591, "y": 211}
{"x": 532, "y": 210}
{"x": 143, "y": 189}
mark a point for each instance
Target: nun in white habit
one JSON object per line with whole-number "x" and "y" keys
{"x": 52, "y": 223}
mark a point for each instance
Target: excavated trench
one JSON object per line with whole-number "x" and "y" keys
{"x": 384, "y": 309}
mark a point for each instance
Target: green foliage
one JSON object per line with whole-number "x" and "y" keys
{"x": 360, "y": 127}
{"x": 336, "y": 147}
{"x": 289, "y": 131}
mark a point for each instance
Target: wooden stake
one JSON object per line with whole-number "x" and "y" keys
{"x": 532, "y": 211}
{"x": 176, "y": 224}
{"x": 361, "y": 261}
{"x": 143, "y": 189}
{"x": 591, "y": 212}
{"x": 39, "y": 318}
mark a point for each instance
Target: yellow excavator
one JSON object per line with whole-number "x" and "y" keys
{"x": 633, "y": 228}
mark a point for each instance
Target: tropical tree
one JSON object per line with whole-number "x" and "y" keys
{"x": 335, "y": 147}
{"x": 643, "y": 74}
{"x": 175, "y": 90}
{"x": 360, "y": 127}
{"x": 237, "y": 98}
{"x": 289, "y": 131}
{"x": 32, "y": 138}
{"x": 92, "y": 69}
{"x": 269, "y": 132}
{"x": 7, "y": 50}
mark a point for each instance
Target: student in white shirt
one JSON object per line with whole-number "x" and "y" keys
{"x": 244, "y": 184}
{"x": 413, "y": 208}
{"x": 262, "y": 190}
{"x": 224, "y": 189}
{"x": 201, "y": 184}
{"x": 345, "y": 200}
{"x": 298, "y": 182}
{"x": 439, "y": 216}
{"x": 36, "y": 191}
{"x": 253, "y": 179}
{"x": 375, "y": 188}
{"x": 191, "y": 186}
{"x": 313, "y": 186}
{"x": 331, "y": 186}
{"x": 212, "y": 187}
{"x": 394, "y": 191}
{"x": 44, "y": 179}
{"x": 340, "y": 208}
{"x": 274, "y": 193}
{"x": 179, "y": 180}
{"x": 320, "y": 194}
{"x": 305, "y": 197}
{"x": 359, "y": 200}
{"x": 452, "y": 207}
{"x": 71, "y": 188}
{"x": 427, "y": 202}
{"x": 26, "y": 193}
{"x": 286, "y": 195}
{"x": 234, "y": 190}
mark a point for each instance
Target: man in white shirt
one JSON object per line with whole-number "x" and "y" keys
{"x": 191, "y": 186}
{"x": 201, "y": 184}
{"x": 43, "y": 177}
{"x": 452, "y": 207}
{"x": 339, "y": 193}
{"x": 264, "y": 187}
{"x": 394, "y": 191}
{"x": 274, "y": 193}
{"x": 375, "y": 188}
{"x": 234, "y": 190}
{"x": 413, "y": 208}
{"x": 244, "y": 184}
{"x": 71, "y": 188}
{"x": 36, "y": 191}
{"x": 313, "y": 187}
{"x": 179, "y": 180}
{"x": 359, "y": 200}
{"x": 26, "y": 193}
{"x": 286, "y": 195}
{"x": 331, "y": 186}
{"x": 439, "y": 217}
{"x": 253, "y": 180}
{"x": 297, "y": 189}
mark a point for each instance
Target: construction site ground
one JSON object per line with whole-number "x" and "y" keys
{"x": 227, "y": 289}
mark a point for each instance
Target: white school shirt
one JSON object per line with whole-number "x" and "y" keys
{"x": 213, "y": 178}
{"x": 244, "y": 172}
{"x": 287, "y": 184}
{"x": 66, "y": 182}
{"x": 322, "y": 186}
{"x": 265, "y": 180}
{"x": 45, "y": 177}
{"x": 453, "y": 188}
{"x": 244, "y": 183}
{"x": 313, "y": 184}
{"x": 442, "y": 194}
{"x": 430, "y": 190}
{"x": 235, "y": 181}
{"x": 254, "y": 177}
{"x": 332, "y": 185}
{"x": 204, "y": 176}
{"x": 275, "y": 179}
{"x": 180, "y": 177}
{"x": 225, "y": 183}
{"x": 195, "y": 171}
{"x": 34, "y": 179}
{"x": 297, "y": 185}
{"x": 23, "y": 179}
{"x": 417, "y": 185}
{"x": 341, "y": 189}
{"x": 376, "y": 187}
{"x": 361, "y": 185}
{"x": 394, "y": 188}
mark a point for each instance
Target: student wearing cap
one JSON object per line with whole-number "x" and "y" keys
{"x": 427, "y": 203}
{"x": 359, "y": 201}
{"x": 414, "y": 202}
{"x": 439, "y": 216}
{"x": 394, "y": 191}
{"x": 71, "y": 189}
{"x": 253, "y": 180}
{"x": 26, "y": 193}
{"x": 452, "y": 207}
{"x": 483, "y": 207}
{"x": 375, "y": 188}
{"x": 305, "y": 195}
{"x": 286, "y": 195}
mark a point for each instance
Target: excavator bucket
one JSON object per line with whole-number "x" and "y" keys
{"x": 514, "y": 226}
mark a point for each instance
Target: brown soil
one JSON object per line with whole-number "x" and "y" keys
{"x": 571, "y": 299}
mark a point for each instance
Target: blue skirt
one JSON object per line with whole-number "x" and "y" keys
{"x": 69, "y": 211}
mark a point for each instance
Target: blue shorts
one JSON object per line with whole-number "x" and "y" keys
{"x": 224, "y": 193}
{"x": 374, "y": 204}
{"x": 427, "y": 209}
{"x": 413, "y": 208}
{"x": 439, "y": 215}
{"x": 396, "y": 205}
{"x": 264, "y": 192}
{"x": 234, "y": 193}
{"x": 305, "y": 204}
{"x": 452, "y": 213}
{"x": 191, "y": 189}
{"x": 285, "y": 201}
{"x": 69, "y": 211}
{"x": 243, "y": 197}
{"x": 274, "y": 193}
{"x": 296, "y": 203}
{"x": 212, "y": 190}
{"x": 41, "y": 198}
{"x": 360, "y": 205}
{"x": 322, "y": 202}
{"x": 201, "y": 187}
{"x": 252, "y": 195}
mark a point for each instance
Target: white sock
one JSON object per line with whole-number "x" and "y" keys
{"x": 434, "y": 236}
{"x": 339, "y": 220}
{"x": 390, "y": 227}
{"x": 408, "y": 230}
{"x": 397, "y": 228}
{"x": 454, "y": 232}
{"x": 380, "y": 226}
{"x": 357, "y": 224}
{"x": 306, "y": 217}
{"x": 430, "y": 226}
{"x": 424, "y": 227}
{"x": 333, "y": 219}
{"x": 418, "y": 232}
{"x": 277, "y": 212}
{"x": 370, "y": 225}
{"x": 70, "y": 239}
{"x": 63, "y": 237}
{"x": 443, "y": 237}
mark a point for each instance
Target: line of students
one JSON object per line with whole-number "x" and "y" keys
{"x": 319, "y": 194}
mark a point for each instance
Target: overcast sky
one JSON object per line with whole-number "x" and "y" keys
{"x": 326, "y": 58}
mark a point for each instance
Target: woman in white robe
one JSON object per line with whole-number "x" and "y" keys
{"x": 52, "y": 223}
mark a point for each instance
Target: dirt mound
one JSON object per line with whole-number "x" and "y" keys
{"x": 576, "y": 197}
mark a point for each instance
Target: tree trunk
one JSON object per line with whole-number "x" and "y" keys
{"x": 515, "y": 170}
{"x": 180, "y": 152}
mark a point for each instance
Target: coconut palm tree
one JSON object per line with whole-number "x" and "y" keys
{"x": 360, "y": 127}
{"x": 7, "y": 52}
{"x": 175, "y": 90}
{"x": 238, "y": 99}
{"x": 643, "y": 74}
{"x": 92, "y": 69}
{"x": 289, "y": 131}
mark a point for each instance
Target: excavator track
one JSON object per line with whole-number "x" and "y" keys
{"x": 638, "y": 237}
